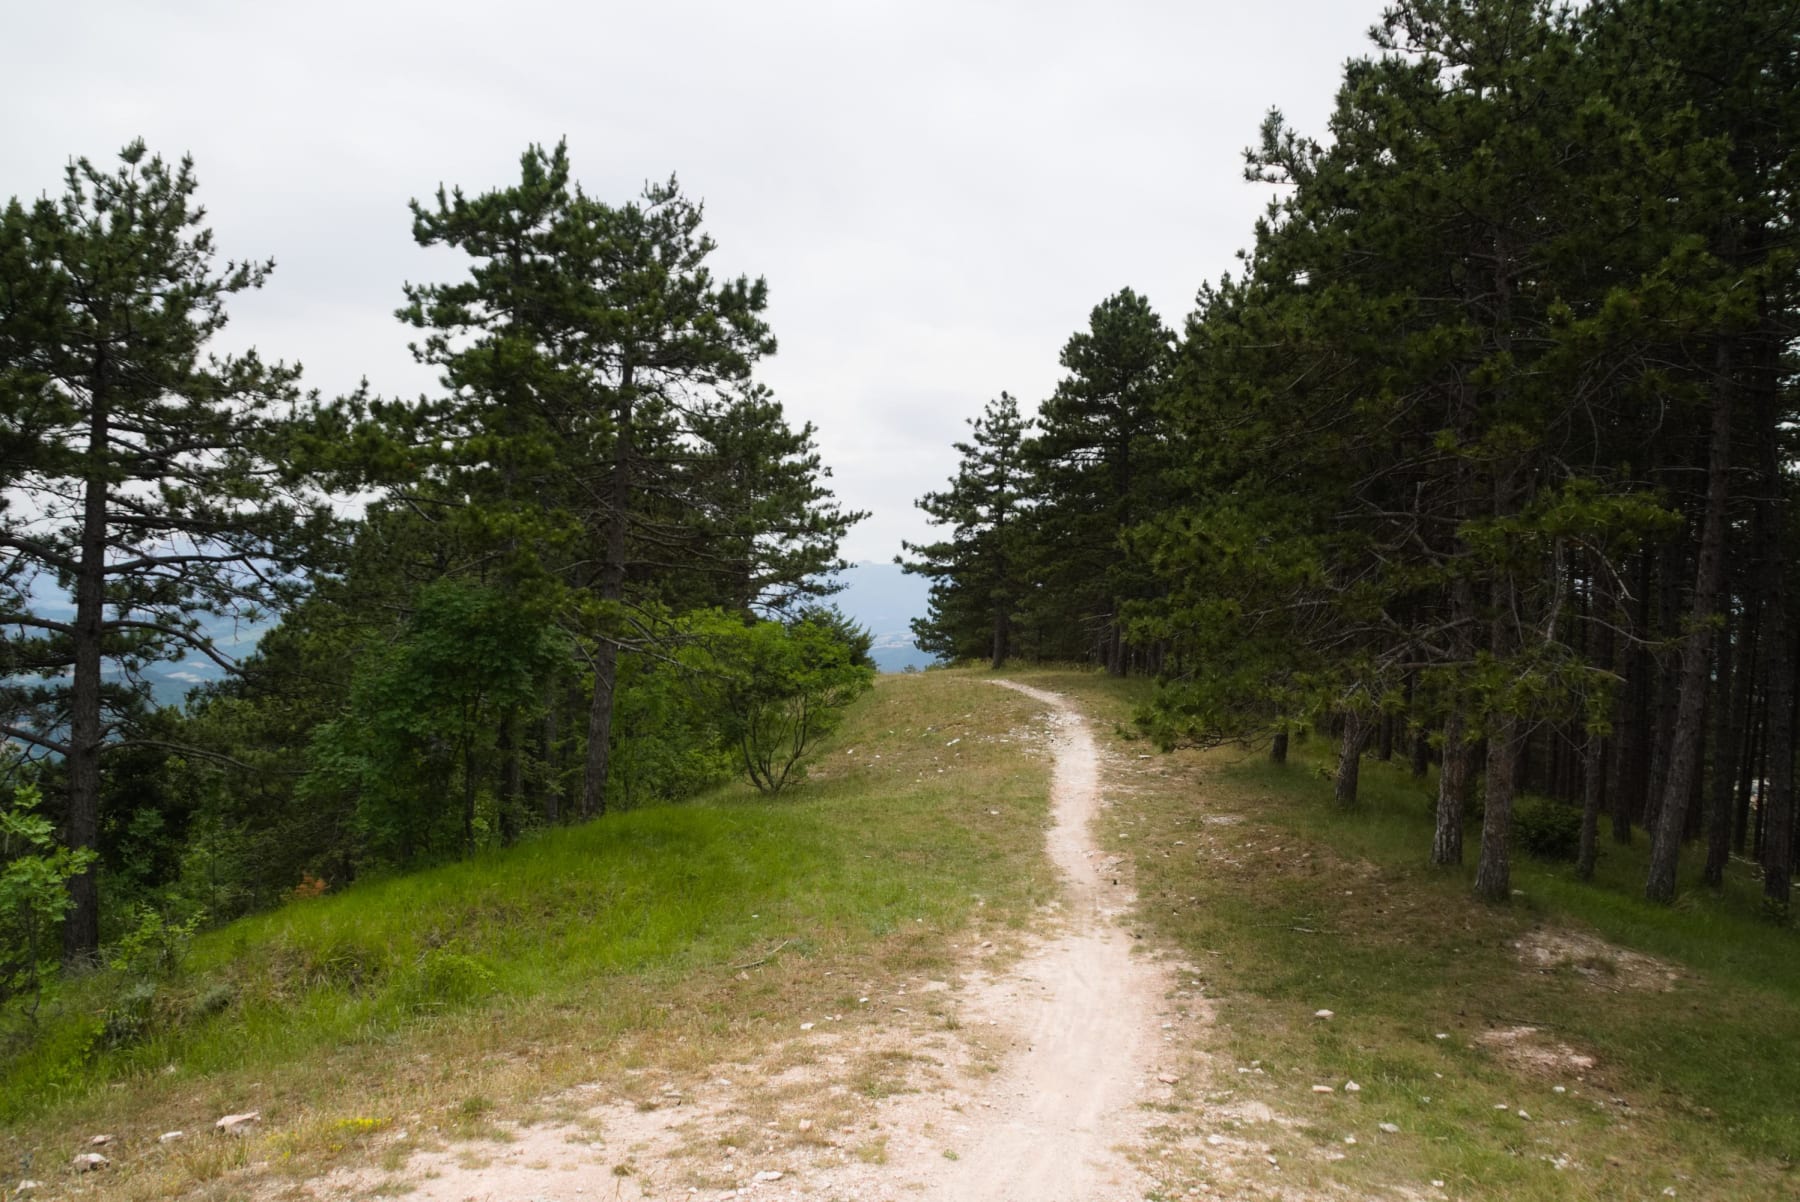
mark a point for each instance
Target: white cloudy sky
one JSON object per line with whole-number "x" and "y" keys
{"x": 938, "y": 193}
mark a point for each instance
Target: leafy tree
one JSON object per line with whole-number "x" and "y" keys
{"x": 34, "y": 873}
{"x": 780, "y": 689}
{"x": 141, "y": 471}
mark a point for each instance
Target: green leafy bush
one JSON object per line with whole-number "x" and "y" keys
{"x": 1548, "y": 830}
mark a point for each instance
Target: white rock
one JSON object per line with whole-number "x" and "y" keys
{"x": 1352, "y": 1087}
{"x": 1323, "y": 1014}
{"x": 1323, "y": 1089}
{"x": 238, "y": 1124}
{"x": 1349, "y": 1139}
{"x": 806, "y": 1124}
{"x": 1524, "y": 1116}
{"x": 100, "y": 1141}
{"x": 768, "y": 1175}
{"x": 27, "y": 1185}
{"x": 1390, "y": 1128}
{"x": 169, "y": 1137}
{"x": 806, "y": 1026}
{"x": 1167, "y": 1078}
{"x": 88, "y": 1162}
{"x": 1558, "y": 1089}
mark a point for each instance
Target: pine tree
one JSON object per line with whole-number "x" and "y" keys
{"x": 976, "y": 574}
{"x": 140, "y": 470}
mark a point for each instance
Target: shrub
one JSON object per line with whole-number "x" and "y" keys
{"x": 1548, "y": 830}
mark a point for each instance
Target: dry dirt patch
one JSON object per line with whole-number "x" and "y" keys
{"x": 1594, "y": 959}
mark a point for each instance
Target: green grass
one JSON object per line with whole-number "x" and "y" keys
{"x": 1292, "y": 906}
{"x": 674, "y": 934}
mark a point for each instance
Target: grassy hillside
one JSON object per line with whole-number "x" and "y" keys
{"x": 1462, "y": 1023}
{"x": 678, "y": 934}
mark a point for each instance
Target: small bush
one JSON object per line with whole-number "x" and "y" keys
{"x": 1548, "y": 830}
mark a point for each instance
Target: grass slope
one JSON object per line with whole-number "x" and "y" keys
{"x": 678, "y": 935}
{"x": 1287, "y": 906}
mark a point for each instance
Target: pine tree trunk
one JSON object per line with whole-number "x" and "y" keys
{"x": 1696, "y": 652}
{"x": 1453, "y": 793}
{"x": 612, "y": 590}
{"x": 1421, "y": 753}
{"x": 1278, "y": 748}
{"x": 81, "y": 925}
{"x": 1357, "y": 729}
{"x": 1493, "y": 874}
{"x": 1777, "y": 796}
{"x": 1593, "y": 791}
{"x": 1724, "y": 765}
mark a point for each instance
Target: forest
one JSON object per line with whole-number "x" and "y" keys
{"x": 1483, "y": 457}
{"x": 588, "y": 573}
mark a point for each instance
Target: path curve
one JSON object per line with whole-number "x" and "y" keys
{"x": 1071, "y": 1097}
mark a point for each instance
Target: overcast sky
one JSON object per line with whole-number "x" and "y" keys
{"x": 938, "y": 193}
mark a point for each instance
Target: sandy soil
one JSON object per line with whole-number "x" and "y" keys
{"x": 1047, "y": 1081}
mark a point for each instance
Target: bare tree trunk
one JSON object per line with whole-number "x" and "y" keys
{"x": 1696, "y": 650}
{"x": 612, "y": 590}
{"x": 1593, "y": 789}
{"x": 1357, "y": 729}
{"x": 1278, "y": 747}
{"x": 81, "y": 925}
{"x": 1453, "y": 793}
{"x": 1724, "y": 765}
{"x": 1493, "y": 873}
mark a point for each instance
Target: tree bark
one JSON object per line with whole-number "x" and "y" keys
{"x": 1724, "y": 765}
{"x": 612, "y": 591}
{"x": 1696, "y": 650}
{"x": 81, "y": 925}
{"x": 1357, "y": 729}
{"x": 1453, "y": 793}
{"x": 1593, "y": 791}
{"x": 1493, "y": 873}
{"x": 1278, "y": 748}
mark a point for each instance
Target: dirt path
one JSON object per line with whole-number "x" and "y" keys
{"x": 1042, "y": 1082}
{"x": 1090, "y": 1021}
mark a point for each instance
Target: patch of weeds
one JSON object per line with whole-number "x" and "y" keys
{"x": 874, "y": 1151}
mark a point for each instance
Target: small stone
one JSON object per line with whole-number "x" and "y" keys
{"x": 1352, "y": 1087}
{"x": 1323, "y": 1014}
{"x": 1271, "y": 1160}
{"x": 1390, "y": 1128}
{"x": 807, "y": 1026}
{"x": 1524, "y": 1116}
{"x": 1443, "y": 1034}
{"x": 238, "y": 1124}
{"x": 768, "y": 1175}
{"x": 1217, "y": 1141}
{"x": 89, "y": 1162}
{"x": 1323, "y": 1089}
{"x": 1167, "y": 1078}
{"x": 27, "y": 1185}
{"x": 1558, "y": 1089}
{"x": 1502, "y": 1106}
{"x": 1349, "y": 1139}
{"x": 100, "y": 1141}
{"x": 1436, "y": 1184}
{"x": 169, "y": 1137}
{"x": 806, "y": 1124}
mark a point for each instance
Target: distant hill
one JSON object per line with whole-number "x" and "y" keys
{"x": 884, "y": 600}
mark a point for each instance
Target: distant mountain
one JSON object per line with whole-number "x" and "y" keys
{"x": 884, "y": 600}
